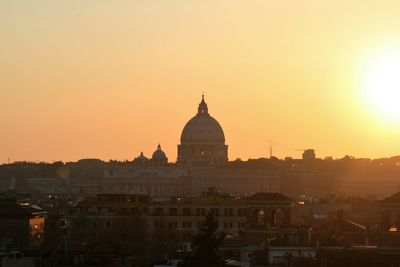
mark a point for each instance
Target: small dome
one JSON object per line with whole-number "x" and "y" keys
{"x": 202, "y": 128}
{"x": 141, "y": 158}
{"x": 159, "y": 154}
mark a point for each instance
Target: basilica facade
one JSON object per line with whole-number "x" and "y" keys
{"x": 202, "y": 163}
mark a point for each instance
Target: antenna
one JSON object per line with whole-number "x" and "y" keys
{"x": 271, "y": 145}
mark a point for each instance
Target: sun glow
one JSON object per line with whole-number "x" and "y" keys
{"x": 382, "y": 85}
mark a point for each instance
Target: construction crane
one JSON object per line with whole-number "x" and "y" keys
{"x": 271, "y": 145}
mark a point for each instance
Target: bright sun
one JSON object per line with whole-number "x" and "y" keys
{"x": 382, "y": 85}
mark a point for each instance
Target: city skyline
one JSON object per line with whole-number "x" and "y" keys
{"x": 212, "y": 133}
{"x": 270, "y": 147}
{"x": 98, "y": 80}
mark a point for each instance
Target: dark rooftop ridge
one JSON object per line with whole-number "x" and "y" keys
{"x": 263, "y": 196}
{"x": 392, "y": 199}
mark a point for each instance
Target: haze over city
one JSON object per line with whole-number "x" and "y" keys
{"x": 211, "y": 133}
{"x": 95, "y": 79}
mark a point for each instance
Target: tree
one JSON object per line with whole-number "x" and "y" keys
{"x": 163, "y": 242}
{"x": 206, "y": 245}
{"x": 124, "y": 236}
{"x": 130, "y": 234}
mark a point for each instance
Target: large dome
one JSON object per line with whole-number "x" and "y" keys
{"x": 202, "y": 128}
{"x": 202, "y": 140}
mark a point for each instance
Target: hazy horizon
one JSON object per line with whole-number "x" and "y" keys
{"x": 92, "y": 79}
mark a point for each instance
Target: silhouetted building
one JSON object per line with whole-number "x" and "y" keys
{"x": 391, "y": 213}
{"x": 258, "y": 216}
{"x": 202, "y": 163}
{"x": 21, "y": 225}
{"x": 202, "y": 140}
{"x": 159, "y": 158}
{"x": 309, "y": 154}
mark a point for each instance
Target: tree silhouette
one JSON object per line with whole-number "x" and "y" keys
{"x": 206, "y": 245}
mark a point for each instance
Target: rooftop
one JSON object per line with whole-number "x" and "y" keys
{"x": 392, "y": 199}
{"x": 263, "y": 196}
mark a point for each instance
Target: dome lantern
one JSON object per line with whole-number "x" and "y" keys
{"x": 203, "y": 109}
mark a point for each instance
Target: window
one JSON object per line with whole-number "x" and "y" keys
{"x": 260, "y": 215}
{"x": 242, "y": 212}
{"x": 186, "y": 225}
{"x": 228, "y": 212}
{"x": 173, "y": 211}
{"x": 142, "y": 199}
{"x": 173, "y": 224}
{"x": 108, "y": 224}
{"x": 158, "y": 224}
{"x": 134, "y": 210}
{"x": 201, "y": 212}
{"x": 277, "y": 217}
{"x": 228, "y": 225}
{"x": 215, "y": 211}
{"x": 187, "y": 212}
{"x": 241, "y": 225}
{"x": 159, "y": 211}
{"x": 186, "y": 236}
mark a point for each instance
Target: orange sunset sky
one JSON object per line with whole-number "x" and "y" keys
{"x": 108, "y": 79}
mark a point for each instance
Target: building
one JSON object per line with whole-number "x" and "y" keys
{"x": 262, "y": 220}
{"x": 202, "y": 140}
{"x": 202, "y": 163}
{"x": 22, "y": 224}
{"x": 91, "y": 217}
{"x": 255, "y": 217}
{"x": 390, "y": 213}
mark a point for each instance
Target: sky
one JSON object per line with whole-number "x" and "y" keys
{"x": 109, "y": 79}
